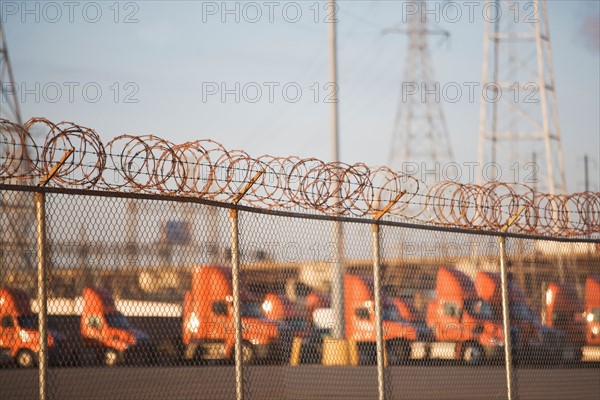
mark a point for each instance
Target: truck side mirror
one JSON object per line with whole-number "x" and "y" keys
{"x": 452, "y": 310}
{"x": 362, "y": 313}
{"x": 94, "y": 321}
{"x": 7, "y": 322}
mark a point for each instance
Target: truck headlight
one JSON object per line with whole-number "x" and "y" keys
{"x": 267, "y": 306}
{"x": 595, "y": 330}
{"x": 193, "y": 323}
{"x": 24, "y": 336}
{"x": 497, "y": 342}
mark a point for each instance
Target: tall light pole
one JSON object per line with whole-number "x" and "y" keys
{"x": 337, "y": 278}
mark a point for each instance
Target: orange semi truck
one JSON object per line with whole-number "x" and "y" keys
{"x": 108, "y": 333}
{"x": 564, "y": 311}
{"x": 208, "y": 329}
{"x": 531, "y": 340}
{"x": 19, "y": 335}
{"x": 463, "y": 323}
{"x": 592, "y": 310}
{"x": 277, "y": 308}
{"x": 399, "y": 334}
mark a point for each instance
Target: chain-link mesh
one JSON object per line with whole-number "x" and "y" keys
{"x": 337, "y": 296}
{"x": 140, "y": 305}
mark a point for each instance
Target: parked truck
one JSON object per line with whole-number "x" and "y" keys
{"x": 277, "y": 308}
{"x": 403, "y": 339}
{"x": 592, "y": 310}
{"x": 464, "y": 324}
{"x": 531, "y": 340}
{"x": 406, "y": 309}
{"x": 107, "y": 334}
{"x": 19, "y": 335}
{"x": 564, "y": 311}
{"x": 208, "y": 329}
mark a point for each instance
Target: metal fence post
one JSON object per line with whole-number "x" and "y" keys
{"x": 235, "y": 282}
{"x": 40, "y": 216}
{"x": 375, "y": 241}
{"x": 378, "y": 313}
{"x": 237, "y": 319}
{"x": 506, "y": 321}
{"x": 42, "y": 294}
{"x": 510, "y": 387}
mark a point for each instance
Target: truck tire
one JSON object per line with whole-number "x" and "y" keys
{"x": 25, "y": 358}
{"x": 578, "y": 355}
{"x": 248, "y": 354}
{"x": 398, "y": 351}
{"x": 472, "y": 353}
{"x": 112, "y": 357}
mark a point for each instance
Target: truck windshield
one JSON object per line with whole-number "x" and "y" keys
{"x": 251, "y": 310}
{"x": 520, "y": 311}
{"x": 479, "y": 308}
{"x": 117, "y": 320}
{"x": 390, "y": 313}
{"x": 28, "y": 321}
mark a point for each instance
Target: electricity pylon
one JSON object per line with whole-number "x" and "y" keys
{"x": 17, "y": 248}
{"x": 518, "y": 110}
{"x": 420, "y": 134}
{"x": 9, "y": 104}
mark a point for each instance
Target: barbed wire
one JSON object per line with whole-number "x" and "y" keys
{"x": 205, "y": 169}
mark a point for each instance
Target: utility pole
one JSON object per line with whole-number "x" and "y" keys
{"x": 518, "y": 109}
{"x": 337, "y": 276}
{"x": 586, "y": 173}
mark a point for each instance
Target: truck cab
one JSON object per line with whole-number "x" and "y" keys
{"x": 592, "y": 310}
{"x": 531, "y": 340}
{"x": 208, "y": 329}
{"x": 276, "y": 307}
{"x": 463, "y": 323}
{"x": 406, "y": 309}
{"x": 564, "y": 311}
{"x": 359, "y": 308}
{"x": 19, "y": 335}
{"x": 108, "y": 333}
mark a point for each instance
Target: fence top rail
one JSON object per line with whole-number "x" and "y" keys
{"x": 204, "y": 169}
{"x": 422, "y": 226}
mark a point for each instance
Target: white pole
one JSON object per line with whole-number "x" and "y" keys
{"x": 337, "y": 281}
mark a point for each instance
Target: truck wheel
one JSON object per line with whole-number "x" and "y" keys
{"x": 111, "y": 357}
{"x": 25, "y": 358}
{"x": 248, "y": 355}
{"x": 399, "y": 352}
{"x": 472, "y": 353}
{"x": 427, "y": 352}
{"x": 87, "y": 356}
{"x": 578, "y": 354}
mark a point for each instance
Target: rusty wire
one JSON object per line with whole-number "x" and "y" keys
{"x": 205, "y": 169}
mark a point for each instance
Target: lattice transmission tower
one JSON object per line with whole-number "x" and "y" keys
{"x": 420, "y": 134}
{"x": 9, "y": 104}
{"x": 518, "y": 123}
{"x": 17, "y": 232}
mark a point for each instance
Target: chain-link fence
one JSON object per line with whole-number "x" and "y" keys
{"x": 147, "y": 270}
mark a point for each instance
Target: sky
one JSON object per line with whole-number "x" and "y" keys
{"x": 254, "y": 75}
